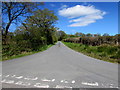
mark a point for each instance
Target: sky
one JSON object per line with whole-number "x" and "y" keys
{"x": 85, "y": 17}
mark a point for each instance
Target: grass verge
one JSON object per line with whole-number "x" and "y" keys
{"x": 26, "y": 53}
{"x": 103, "y": 52}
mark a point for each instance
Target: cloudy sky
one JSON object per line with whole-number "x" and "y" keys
{"x": 86, "y": 17}
{"x": 97, "y": 17}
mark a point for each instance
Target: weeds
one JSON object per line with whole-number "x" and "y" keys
{"x": 103, "y": 52}
{"x": 13, "y": 54}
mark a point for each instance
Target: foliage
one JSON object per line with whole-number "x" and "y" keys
{"x": 35, "y": 33}
{"x": 104, "y": 47}
{"x": 61, "y": 35}
{"x": 21, "y": 54}
{"x": 14, "y": 10}
{"x": 103, "y": 52}
{"x": 95, "y": 40}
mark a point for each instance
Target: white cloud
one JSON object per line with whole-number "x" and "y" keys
{"x": 82, "y": 23}
{"x": 85, "y": 15}
{"x": 63, "y": 7}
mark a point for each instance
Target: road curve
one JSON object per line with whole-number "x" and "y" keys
{"x": 59, "y": 67}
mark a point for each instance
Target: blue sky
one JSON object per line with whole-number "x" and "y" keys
{"x": 86, "y": 17}
{"x": 108, "y": 23}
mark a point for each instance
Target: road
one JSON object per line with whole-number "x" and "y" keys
{"x": 59, "y": 67}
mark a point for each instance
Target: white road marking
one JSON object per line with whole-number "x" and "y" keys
{"x": 64, "y": 81}
{"x": 111, "y": 85}
{"x": 3, "y": 80}
{"x": 7, "y": 75}
{"x": 91, "y": 84}
{"x": 67, "y": 87}
{"x": 59, "y": 86}
{"x": 22, "y": 83}
{"x": 31, "y": 78}
{"x": 73, "y": 81}
{"x": 27, "y": 78}
{"x": 35, "y": 78}
{"x": 19, "y": 82}
{"x": 53, "y": 80}
{"x": 47, "y": 80}
{"x": 7, "y": 81}
{"x": 0, "y": 75}
{"x": 13, "y": 75}
{"x": 39, "y": 85}
{"x": 19, "y": 77}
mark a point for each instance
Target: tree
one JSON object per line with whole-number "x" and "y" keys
{"x": 12, "y": 11}
{"x": 89, "y": 35}
{"x": 62, "y": 35}
{"x": 106, "y": 34}
{"x": 81, "y": 34}
{"x": 97, "y": 35}
{"x": 77, "y": 33}
{"x": 43, "y": 22}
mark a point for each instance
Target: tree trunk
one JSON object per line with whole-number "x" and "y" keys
{"x": 6, "y": 31}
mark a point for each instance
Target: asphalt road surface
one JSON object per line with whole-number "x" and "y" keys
{"x": 59, "y": 67}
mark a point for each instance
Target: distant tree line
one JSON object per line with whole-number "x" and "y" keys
{"x": 94, "y": 39}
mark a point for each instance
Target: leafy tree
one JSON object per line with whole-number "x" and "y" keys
{"x": 34, "y": 34}
{"x": 89, "y": 35}
{"x": 106, "y": 34}
{"x": 12, "y": 11}
{"x": 97, "y": 35}
{"x": 42, "y": 21}
{"x": 79, "y": 34}
{"x": 62, "y": 35}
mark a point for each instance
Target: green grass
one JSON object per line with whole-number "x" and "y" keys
{"x": 25, "y": 53}
{"x": 103, "y": 52}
